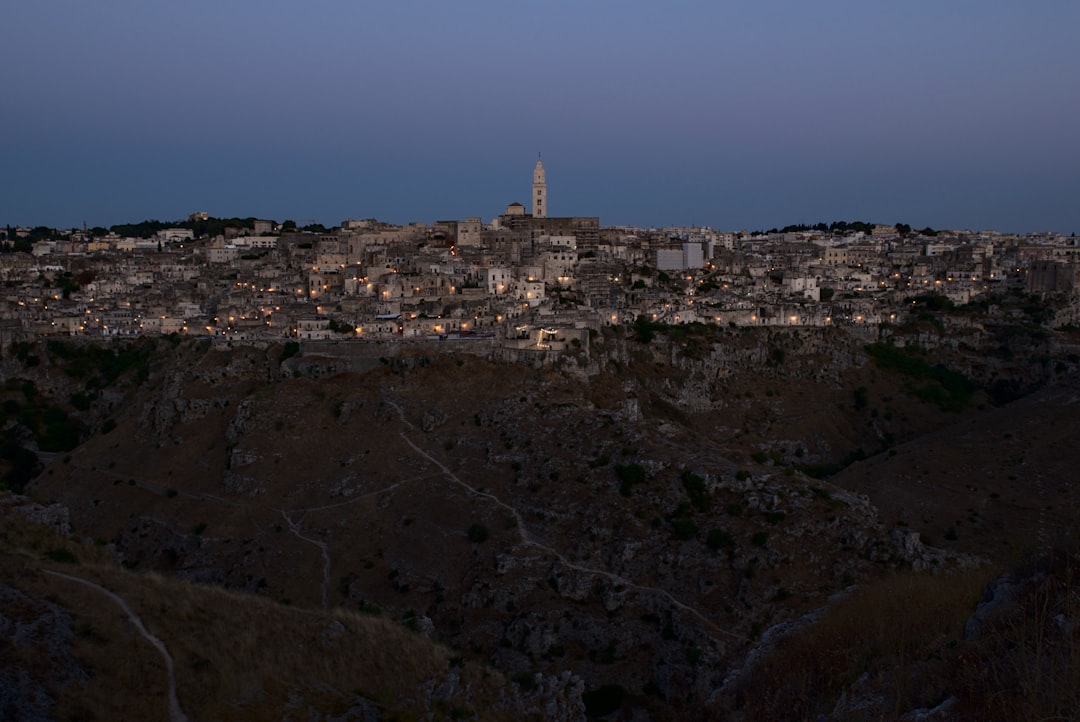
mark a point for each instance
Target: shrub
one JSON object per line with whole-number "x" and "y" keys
{"x": 949, "y": 390}
{"x": 478, "y": 533}
{"x": 603, "y": 701}
{"x": 80, "y": 401}
{"x": 684, "y": 529}
{"x": 695, "y": 488}
{"x": 601, "y": 460}
{"x": 64, "y": 556}
{"x": 629, "y": 474}
{"x": 643, "y": 329}
{"x": 24, "y": 466}
{"x": 718, "y": 539}
{"x": 775, "y": 517}
{"x": 291, "y": 349}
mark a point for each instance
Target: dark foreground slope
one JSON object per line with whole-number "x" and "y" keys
{"x": 635, "y": 517}
{"x": 85, "y": 640}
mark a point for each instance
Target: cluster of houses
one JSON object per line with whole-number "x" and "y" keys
{"x": 520, "y": 278}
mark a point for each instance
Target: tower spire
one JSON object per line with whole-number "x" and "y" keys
{"x": 539, "y": 190}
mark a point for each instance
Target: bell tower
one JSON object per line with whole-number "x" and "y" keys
{"x": 539, "y": 190}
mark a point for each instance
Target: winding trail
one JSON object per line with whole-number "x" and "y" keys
{"x": 360, "y": 497}
{"x": 294, "y": 527}
{"x": 526, "y": 539}
{"x": 176, "y": 714}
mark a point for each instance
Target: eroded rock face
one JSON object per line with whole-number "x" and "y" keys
{"x": 35, "y": 655}
{"x": 433, "y": 418}
{"x": 54, "y": 516}
{"x": 624, "y": 584}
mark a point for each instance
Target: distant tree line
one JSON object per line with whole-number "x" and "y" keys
{"x": 204, "y": 228}
{"x": 843, "y": 227}
{"x": 208, "y": 227}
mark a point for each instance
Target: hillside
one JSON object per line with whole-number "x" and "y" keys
{"x": 77, "y": 647}
{"x": 639, "y": 515}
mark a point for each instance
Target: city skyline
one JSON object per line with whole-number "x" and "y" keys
{"x": 735, "y": 118}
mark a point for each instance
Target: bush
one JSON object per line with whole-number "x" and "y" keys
{"x": 80, "y": 401}
{"x": 684, "y": 529}
{"x": 629, "y": 474}
{"x": 601, "y": 460}
{"x": 291, "y": 349}
{"x": 718, "y": 539}
{"x": 24, "y": 466}
{"x": 947, "y": 389}
{"x": 695, "y": 488}
{"x": 64, "y": 556}
{"x": 775, "y": 517}
{"x": 604, "y": 700}
{"x": 644, "y": 329}
{"x": 478, "y": 533}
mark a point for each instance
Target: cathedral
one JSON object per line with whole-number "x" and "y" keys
{"x": 539, "y": 194}
{"x": 538, "y": 223}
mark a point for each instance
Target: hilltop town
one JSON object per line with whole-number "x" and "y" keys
{"x": 525, "y": 280}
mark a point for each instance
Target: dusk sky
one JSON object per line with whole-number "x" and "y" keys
{"x": 737, "y": 114}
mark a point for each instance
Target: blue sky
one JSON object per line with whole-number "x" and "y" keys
{"x": 736, "y": 114}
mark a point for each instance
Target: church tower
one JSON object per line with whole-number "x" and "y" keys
{"x": 539, "y": 191}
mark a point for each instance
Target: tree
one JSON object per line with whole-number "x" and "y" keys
{"x": 643, "y": 329}
{"x": 41, "y": 233}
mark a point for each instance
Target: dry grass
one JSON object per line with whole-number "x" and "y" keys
{"x": 1024, "y": 664}
{"x": 898, "y": 645}
{"x": 895, "y": 631}
{"x": 243, "y": 657}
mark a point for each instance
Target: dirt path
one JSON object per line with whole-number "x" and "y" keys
{"x": 523, "y": 531}
{"x": 294, "y": 527}
{"x": 175, "y": 713}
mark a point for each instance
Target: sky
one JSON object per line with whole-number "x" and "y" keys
{"x": 741, "y": 114}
